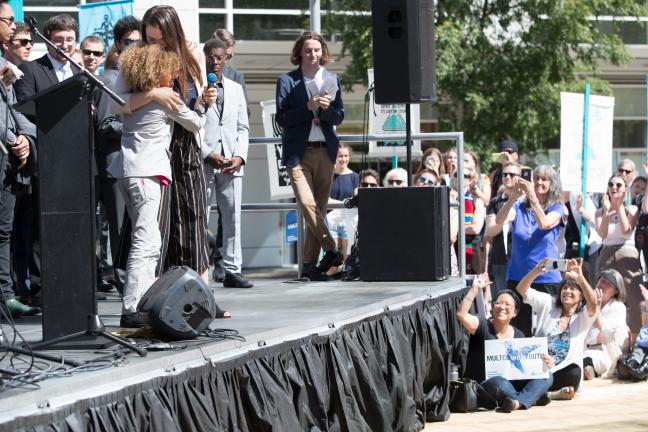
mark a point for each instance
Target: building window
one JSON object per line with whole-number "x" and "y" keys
{"x": 269, "y": 27}
{"x": 209, "y": 23}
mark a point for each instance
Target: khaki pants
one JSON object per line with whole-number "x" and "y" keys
{"x": 311, "y": 181}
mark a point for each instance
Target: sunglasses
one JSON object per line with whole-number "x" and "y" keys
{"x": 128, "y": 41}
{"x": 87, "y": 52}
{"x": 466, "y": 176}
{"x": 395, "y": 182}
{"x": 509, "y": 151}
{"x": 625, "y": 171}
{"x": 364, "y": 184}
{"x": 512, "y": 175}
{"x": 426, "y": 181}
{"x": 618, "y": 185}
{"x": 23, "y": 42}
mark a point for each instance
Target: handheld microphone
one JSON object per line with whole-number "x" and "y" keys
{"x": 211, "y": 79}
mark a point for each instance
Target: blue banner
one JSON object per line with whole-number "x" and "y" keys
{"x": 291, "y": 226}
{"x": 99, "y": 18}
{"x": 17, "y": 6}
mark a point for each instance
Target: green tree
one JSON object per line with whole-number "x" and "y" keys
{"x": 501, "y": 64}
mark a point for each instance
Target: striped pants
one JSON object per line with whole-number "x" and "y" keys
{"x": 188, "y": 243}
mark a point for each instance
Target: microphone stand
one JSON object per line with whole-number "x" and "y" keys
{"x": 95, "y": 326}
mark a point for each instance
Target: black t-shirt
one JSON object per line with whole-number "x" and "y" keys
{"x": 344, "y": 185}
{"x": 498, "y": 254}
{"x": 475, "y": 367}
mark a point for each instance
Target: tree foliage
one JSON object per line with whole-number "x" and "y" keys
{"x": 501, "y": 64}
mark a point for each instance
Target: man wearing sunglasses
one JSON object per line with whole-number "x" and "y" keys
{"x": 508, "y": 150}
{"x": 17, "y": 49}
{"x": 92, "y": 50}
{"x": 497, "y": 239}
{"x": 626, "y": 169}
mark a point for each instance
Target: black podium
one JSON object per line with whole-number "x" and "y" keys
{"x": 67, "y": 204}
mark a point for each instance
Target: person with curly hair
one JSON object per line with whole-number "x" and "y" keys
{"x": 143, "y": 168}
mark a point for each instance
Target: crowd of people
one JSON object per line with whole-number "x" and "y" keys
{"x": 562, "y": 266}
{"x": 181, "y": 140}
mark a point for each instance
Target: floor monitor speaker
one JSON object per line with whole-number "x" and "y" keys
{"x": 180, "y": 304}
{"x": 404, "y": 233}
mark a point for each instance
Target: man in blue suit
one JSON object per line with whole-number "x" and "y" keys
{"x": 308, "y": 112}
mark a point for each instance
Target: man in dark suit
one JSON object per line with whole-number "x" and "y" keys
{"x": 308, "y": 113}
{"x": 39, "y": 75}
{"x": 18, "y": 135}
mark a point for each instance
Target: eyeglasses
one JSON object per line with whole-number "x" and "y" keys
{"x": 8, "y": 20}
{"x": 625, "y": 171}
{"x": 68, "y": 41}
{"x": 395, "y": 182}
{"x": 365, "y": 184}
{"x": 512, "y": 175}
{"x": 128, "y": 41}
{"x": 466, "y": 176}
{"x": 217, "y": 59}
{"x": 23, "y": 42}
{"x": 426, "y": 181}
{"x": 87, "y": 52}
{"x": 503, "y": 305}
{"x": 432, "y": 159}
{"x": 618, "y": 185}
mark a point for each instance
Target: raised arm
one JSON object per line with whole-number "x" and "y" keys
{"x": 469, "y": 321}
{"x": 575, "y": 272}
{"x": 544, "y": 220}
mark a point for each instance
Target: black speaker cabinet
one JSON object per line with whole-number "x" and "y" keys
{"x": 180, "y": 304}
{"x": 404, "y": 233}
{"x": 403, "y": 51}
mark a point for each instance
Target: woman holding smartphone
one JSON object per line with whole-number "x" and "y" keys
{"x": 615, "y": 223}
{"x": 538, "y": 215}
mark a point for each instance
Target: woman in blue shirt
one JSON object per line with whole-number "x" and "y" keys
{"x": 536, "y": 224}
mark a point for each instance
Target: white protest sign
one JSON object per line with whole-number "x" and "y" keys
{"x": 599, "y": 155}
{"x": 278, "y": 174}
{"x": 516, "y": 359}
{"x": 391, "y": 119}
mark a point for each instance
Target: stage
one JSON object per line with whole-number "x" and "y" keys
{"x": 322, "y": 355}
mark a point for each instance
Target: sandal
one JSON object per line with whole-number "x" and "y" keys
{"x": 221, "y": 313}
{"x": 565, "y": 393}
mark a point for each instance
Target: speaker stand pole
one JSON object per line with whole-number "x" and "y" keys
{"x": 408, "y": 142}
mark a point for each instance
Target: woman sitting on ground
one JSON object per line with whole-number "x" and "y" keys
{"x": 609, "y": 336}
{"x": 510, "y": 394}
{"x": 564, "y": 321}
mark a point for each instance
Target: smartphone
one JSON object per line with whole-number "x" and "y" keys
{"x": 526, "y": 174}
{"x": 558, "y": 264}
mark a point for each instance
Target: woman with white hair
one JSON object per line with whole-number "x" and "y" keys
{"x": 609, "y": 336}
{"x": 539, "y": 214}
{"x": 396, "y": 177}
